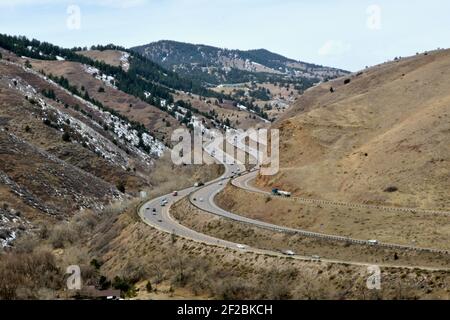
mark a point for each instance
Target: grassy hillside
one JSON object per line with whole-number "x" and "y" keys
{"x": 378, "y": 136}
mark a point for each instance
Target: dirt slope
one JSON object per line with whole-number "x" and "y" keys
{"x": 388, "y": 127}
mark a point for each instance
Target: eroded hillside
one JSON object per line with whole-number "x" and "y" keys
{"x": 61, "y": 153}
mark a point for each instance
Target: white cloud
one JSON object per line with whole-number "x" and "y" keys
{"x": 334, "y": 48}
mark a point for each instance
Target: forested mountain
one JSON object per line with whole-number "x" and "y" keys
{"x": 158, "y": 82}
{"x": 217, "y": 66}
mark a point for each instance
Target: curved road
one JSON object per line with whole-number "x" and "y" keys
{"x": 203, "y": 199}
{"x": 158, "y": 216}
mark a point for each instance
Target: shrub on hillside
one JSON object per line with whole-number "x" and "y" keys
{"x": 391, "y": 189}
{"x": 121, "y": 186}
{"x": 66, "y": 137}
{"x": 62, "y": 235}
{"x": 149, "y": 287}
{"x": 125, "y": 286}
{"x": 27, "y": 275}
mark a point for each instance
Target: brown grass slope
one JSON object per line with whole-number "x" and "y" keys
{"x": 17, "y": 114}
{"x": 41, "y": 173}
{"x": 358, "y": 223}
{"x": 390, "y": 126}
{"x": 129, "y": 106}
{"x": 158, "y": 122}
{"x": 111, "y": 57}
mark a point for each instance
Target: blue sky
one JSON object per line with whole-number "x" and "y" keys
{"x": 349, "y": 34}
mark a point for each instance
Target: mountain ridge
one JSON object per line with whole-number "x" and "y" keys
{"x": 221, "y": 65}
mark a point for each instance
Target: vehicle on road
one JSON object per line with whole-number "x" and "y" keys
{"x": 278, "y": 192}
{"x": 289, "y": 252}
{"x": 154, "y": 210}
{"x": 373, "y": 242}
{"x": 199, "y": 184}
{"x": 201, "y": 199}
{"x": 315, "y": 258}
{"x": 241, "y": 246}
{"x": 175, "y": 193}
{"x": 220, "y": 183}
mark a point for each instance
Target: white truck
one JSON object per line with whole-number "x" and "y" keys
{"x": 284, "y": 194}
{"x": 278, "y": 192}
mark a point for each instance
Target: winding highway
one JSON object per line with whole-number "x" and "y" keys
{"x": 156, "y": 213}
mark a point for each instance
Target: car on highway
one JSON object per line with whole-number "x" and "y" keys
{"x": 241, "y": 246}
{"x": 154, "y": 210}
{"x": 175, "y": 193}
{"x": 201, "y": 200}
{"x": 315, "y": 258}
{"x": 199, "y": 184}
{"x": 288, "y": 252}
{"x": 373, "y": 242}
{"x": 220, "y": 183}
